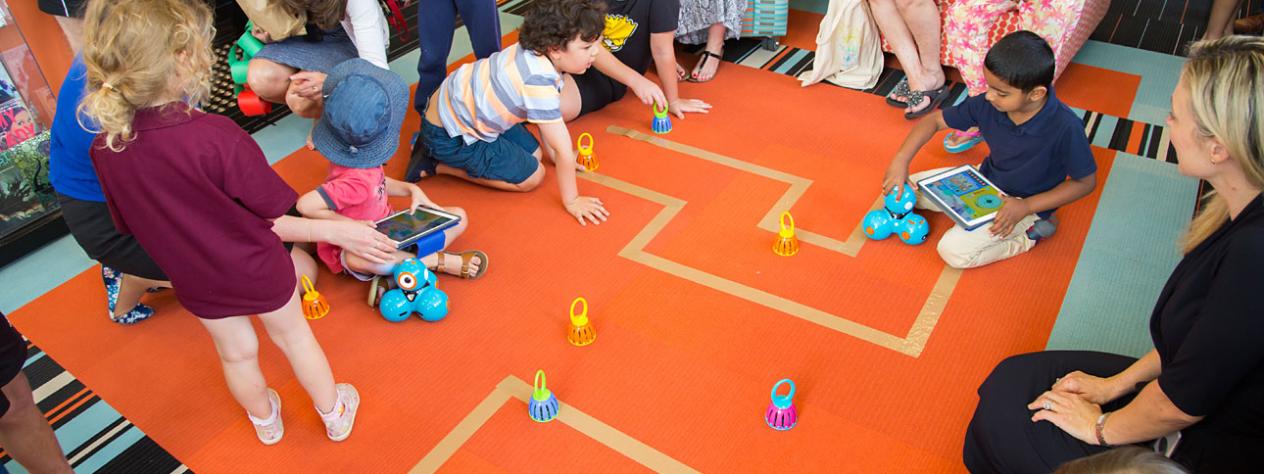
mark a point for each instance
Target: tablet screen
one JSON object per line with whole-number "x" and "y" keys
{"x": 967, "y": 193}
{"x": 404, "y": 226}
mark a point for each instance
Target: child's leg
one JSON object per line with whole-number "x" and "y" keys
{"x": 238, "y": 349}
{"x": 291, "y": 333}
{"x": 25, "y": 433}
{"x": 962, "y": 248}
{"x": 510, "y": 163}
{"x": 452, "y": 262}
{"x": 131, "y": 288}
{"x": 304, "y": 264}
{"x": 357, "y": 264}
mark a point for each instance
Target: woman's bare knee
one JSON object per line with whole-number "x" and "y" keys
{"x": 268, "y": 79}
{"x": 303, "y": 107}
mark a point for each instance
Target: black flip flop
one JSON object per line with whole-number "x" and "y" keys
{"x": 706, "y": 55}
{"x": 937, "y": 97}
{"x": 901, "y": 88}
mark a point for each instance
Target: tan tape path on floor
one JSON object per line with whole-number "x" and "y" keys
{"x": 513, "y": 387}
{"x": 910, "y": 344}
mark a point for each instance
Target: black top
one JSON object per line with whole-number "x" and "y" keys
{"x": 629, "y": 24}
{"x": 1208, "y": 327}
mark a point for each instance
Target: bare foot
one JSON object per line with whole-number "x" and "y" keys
{"x": 310, "y": 145}
{"x": 707, "y": 66}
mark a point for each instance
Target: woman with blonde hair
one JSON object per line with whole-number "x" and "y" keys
{"x": 1198, "y": 392}
{"x": 198, "y": 194}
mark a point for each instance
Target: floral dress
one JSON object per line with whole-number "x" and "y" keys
{"x": 696, "y": 16}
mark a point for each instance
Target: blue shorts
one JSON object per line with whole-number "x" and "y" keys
{"x": 509, "y": 158}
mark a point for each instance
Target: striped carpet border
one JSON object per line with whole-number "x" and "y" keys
{"x": 1103, "y": 130}
{"x": 95, "y": 436}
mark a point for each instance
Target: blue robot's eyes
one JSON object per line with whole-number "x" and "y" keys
{"x": 407, "y": 281}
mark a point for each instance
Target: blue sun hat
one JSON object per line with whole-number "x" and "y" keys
{"x": 364, "y": 110}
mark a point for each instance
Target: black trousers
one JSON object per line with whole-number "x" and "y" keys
{"x": 1001, "y": 437}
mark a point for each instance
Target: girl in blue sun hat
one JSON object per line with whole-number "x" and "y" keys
{"x": 358, "y": 132}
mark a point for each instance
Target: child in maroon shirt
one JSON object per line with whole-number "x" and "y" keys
{"x": 198, "y": 194}
{"x": 358, "y": 132}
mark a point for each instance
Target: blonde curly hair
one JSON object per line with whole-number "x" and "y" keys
{"x": 143, "y": 53}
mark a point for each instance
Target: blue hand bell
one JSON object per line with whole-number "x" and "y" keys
{"x": 543, "y": 404}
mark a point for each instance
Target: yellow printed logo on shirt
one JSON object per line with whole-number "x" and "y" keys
{"x": 618, "y": 29}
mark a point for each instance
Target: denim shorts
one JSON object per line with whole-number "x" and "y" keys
{"x": 509, "y": 158}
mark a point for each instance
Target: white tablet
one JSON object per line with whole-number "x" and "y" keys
{"x": 407, "y": 227}
{"x": 964, "y": 194}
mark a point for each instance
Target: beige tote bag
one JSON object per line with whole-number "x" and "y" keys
{"x": 269, "y": 15}
{"x": 848, "y": 49}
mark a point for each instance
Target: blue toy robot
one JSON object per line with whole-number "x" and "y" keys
{"x": 416, "y": 293}
{"x": 901, "y": 203}
{"x": 897, "y": 217}
{"x": 913, "y": 229}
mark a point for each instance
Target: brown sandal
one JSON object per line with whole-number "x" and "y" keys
{"x": 465, "y": 263}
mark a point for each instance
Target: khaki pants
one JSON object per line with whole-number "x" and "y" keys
{"x": 962, "y": 248}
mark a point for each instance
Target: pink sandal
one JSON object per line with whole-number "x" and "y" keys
{"x": 972, "y": 139}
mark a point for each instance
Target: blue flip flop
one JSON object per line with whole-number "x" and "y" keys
{"x": 963, "y": 146}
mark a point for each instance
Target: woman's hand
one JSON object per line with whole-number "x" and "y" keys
{"x": 261, "y": 35}
{"x": 590, "y": 208}
{"x": 648, "y": 92}
{"x": 1074, "y": 415}
{"x": 358, "y": 237}
{"x": 1091, "y": 388}
{"x": 307, "y": 84}
{"x": 680, "y": 106}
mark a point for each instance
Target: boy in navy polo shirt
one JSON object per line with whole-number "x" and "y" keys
{"x": 1040, "y": 155}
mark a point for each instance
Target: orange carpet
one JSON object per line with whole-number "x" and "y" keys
{"x": 681, "y": 367}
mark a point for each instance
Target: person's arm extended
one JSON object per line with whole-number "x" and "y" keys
{"x": 897, "y": 172}
{"x": 558, "y": 139}
{"x": 663, "y": 49}
{"x": 360, "y": 238}
{"x": 399, "y": 188}
{"x": 646, "y": 90}
{"x": 313, "y": 205}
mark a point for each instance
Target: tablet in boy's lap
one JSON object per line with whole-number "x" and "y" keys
{"x": 407, "y": 227}
{"x": 964, "y": 194}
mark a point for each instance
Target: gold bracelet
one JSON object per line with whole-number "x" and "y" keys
{"x": 1101, "y": 425}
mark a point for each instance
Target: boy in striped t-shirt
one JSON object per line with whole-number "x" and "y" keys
{"x": 473, "y": 126}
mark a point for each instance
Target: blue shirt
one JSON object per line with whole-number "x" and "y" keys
{"x": 1031, "y": 158}
{"x": 69, "y": 165}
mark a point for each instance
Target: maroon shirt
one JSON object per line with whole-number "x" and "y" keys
{"x": 198, "y": 194}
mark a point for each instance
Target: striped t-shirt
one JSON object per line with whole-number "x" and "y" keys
{"x": 482, "y": 99}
